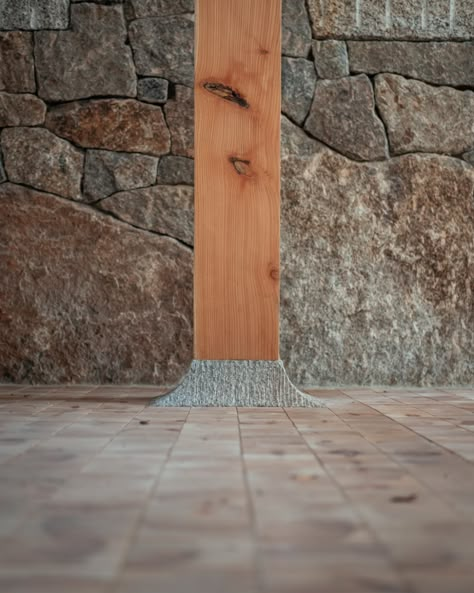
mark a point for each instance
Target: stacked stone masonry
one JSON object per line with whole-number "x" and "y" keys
{"x": 96, "y": 191}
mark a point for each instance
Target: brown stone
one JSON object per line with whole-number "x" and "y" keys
{"x": 36, "y": 157}
{"x": 180, "y": 117}
{"x": 87, "y": 298}
{"x": 343, "y": 116}
{"x": 17, "y": 69}
{"x": 108, "y": 172}
{"x": 165, "y": 209}
{"x": 21, "y": 110}
{"x": 112, "y": 124}
{"x": 376, "y": 280}
{"x": 91, "y": 59}
{"x": 423, "y": 118}
{"x": 436, "y": 62}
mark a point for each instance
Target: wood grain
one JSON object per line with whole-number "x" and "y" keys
{"x": 237, "y": 179}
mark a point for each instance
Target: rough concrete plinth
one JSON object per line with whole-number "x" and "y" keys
{"x": 245, "y": 383}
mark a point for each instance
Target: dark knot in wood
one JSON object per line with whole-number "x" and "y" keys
{"x": 227, "y": 93}
{"x": 241, "y": 166}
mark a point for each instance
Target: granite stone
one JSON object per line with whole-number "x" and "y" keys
{"x": 446, "y": 63}
{"x": 180, "y": 118}
{"x": 164, "y": 47}
{"x": 164, "y": 209}
{"x": 153, "y": 90}
{"x": 146, "y": 8}
{"x": 330, "y": 58}
{"x": 420, "y": 117}
{"x": 469, "y": 157}
{"x": 36, "y": 157}
{"x": 107, "y": 172}
{"x": 298, "y": 84}
{"x": 17, "y": 68}
{"x": 92, "y": 59}
{"x": 34, "y": 14}
{"x": 296, "y": 30}
{"x": 375, "y": 278}
{"x": 21, "y": 110}
{"x": 294, "y": 140}
{"x": 175, "y": 170}
{"x": 398, "y": 19}
{"x": 112, "y": 124}
{"x": 87, "y": 298}
{"x": 242, "y": 383}
{"x": 343, "y": 116}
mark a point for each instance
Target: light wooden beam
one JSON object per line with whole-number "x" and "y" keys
{"x": 237, "y": 179}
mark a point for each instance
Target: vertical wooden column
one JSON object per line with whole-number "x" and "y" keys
{"x": 237, "y": 179}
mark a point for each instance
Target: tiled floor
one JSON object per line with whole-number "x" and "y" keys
{"x": 101, "y": 494}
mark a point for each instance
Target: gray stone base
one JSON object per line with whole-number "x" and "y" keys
{"x": 245, "y": 383}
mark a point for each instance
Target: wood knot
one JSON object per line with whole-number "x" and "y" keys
{"x": 242, "y": 166}
{"x": 227, "y": 93}
{"x": 274, "y": 273}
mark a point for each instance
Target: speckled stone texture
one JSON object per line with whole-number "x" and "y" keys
{"x": 87, "y": 297}
{"x": 242, "y": 383}
{"x": 96, "y": 111}
{"x": 377, "y": 269}
{"x": 34, "y": 14}
{"x": 397, "y": 19}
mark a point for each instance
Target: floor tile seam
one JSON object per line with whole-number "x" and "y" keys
{"x": 412, "y": 471}
{"x": 139, "y": 521}
{"x": 413, "y": 431}
{"x": 36, "y": 509}
{"x": 258, "y": 566}
{"x": 387, "y": 554}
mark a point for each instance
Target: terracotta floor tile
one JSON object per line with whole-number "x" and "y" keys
{"x": 100, "y": 493}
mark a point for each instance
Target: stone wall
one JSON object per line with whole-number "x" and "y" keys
{"x": 96, "y": 196}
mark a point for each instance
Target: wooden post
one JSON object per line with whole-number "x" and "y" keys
{"x": 237, "y": 210}
{"x": 237, "y": 204}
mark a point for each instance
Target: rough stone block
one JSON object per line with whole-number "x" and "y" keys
{"x": 17, "y": 68}
{"x": 34, "y": 14}
{"x": 112, "y": 124}
{"x": 87, "y": 298}
{"x": 153, "y": 90}
{"x": 164, "y": 47}
{"x": 168, "y": 210}
{"x": 448, "y": 63}
{"x": 21, "y": 110}
{"x": 175, "y": 170}
{"x": 397, "y": 19}
{"x": 374, "y": 270}
{"x": 180, "y": 118}
{"x": 296, "y": 29}
{"x": 107, "y": 172}
{"x": 330, "y": 58}
{"x": 298, "y": 83}
{"x": 36, "y": 157}
{"x": 145, "y": 8}
{"x": 423, "y": 118}
{"x": 90, "y": 60}
{"x": 343, "y": 116}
